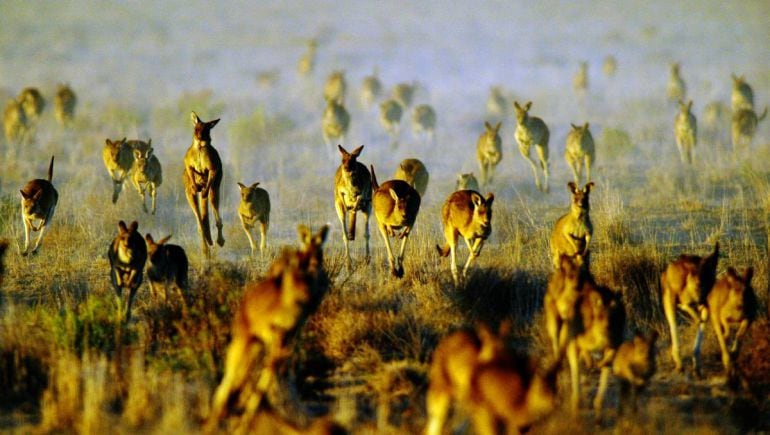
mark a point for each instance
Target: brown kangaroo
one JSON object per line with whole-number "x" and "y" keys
{"x": 352, "y": 193}
{"x": 572, "y": 232}
{"x": 64, "y": 105}
{"x": 38, "y": 202}
{"x": 202, "y": 178}
{"x": 634, "y": 365}
{"x": 127, "y": 255}
{"x": 167, "y": 264}
{"x": 254, "y": 207}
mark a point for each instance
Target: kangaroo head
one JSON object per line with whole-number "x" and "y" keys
{"x": 580, "y": 196}
{"x": 675, "y": 69}
{"x": 482, "y": 211}
{"x": 124, "y": 239}
{"x": 492, "y": 131}
{"x": 202, "y": 130}
{"x": 311, "y": 247}
{"x": 114, "y": 147}
{"x": 522, "y": 113}
{"x": 247, "y": 191}
{"x": 400, "y": 204}
{"x": 142, "y": 156}
{"x": 349, "y": 159}
{"x": 738, "y": 81}
{"x": 467, "y": 181}
{"x": 153, "y": 246}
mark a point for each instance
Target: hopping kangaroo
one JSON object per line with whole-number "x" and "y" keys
{"x": 530, "y": 131}
{"x": 254, "y": 207}
{"x": 424, "y": 121}
{"x": 732, "y": 302}
{"x": 307, "y": 60}
{"x": 744, "y": 126}
{"x": 64, "y": 105}
{"x": 610, "y": 65}
{"x": 489, "y": 152}
{"x": 166, "y": 265}
{"x": 580, "y": 151}
{"x": 127, "y": 255}
{"x": 403, "y": 93}
{"x": 676, "y": 88}
{"x": 335, "y": 123}
{"x": 685, "y": 284}
{"x": 742, "y": 96}
{"x": 38, "y": 202}
{"x": 371, "y": 88}
{"x": 686, "y": 132}
{"x": 634, "y": 365}
{"x": 270, "y": 313}
{"x": 468, "y": 214}
{"x": 390, "y": 117}
{"x": 352, "y": 193}
{"x": 118, "y": 157}
{"x": 335, "y": 87}
{"x": 413, "y": 172}
{"x": 146, "y": 173}
{"x": 396, "y": 204}
{"x": 572, "y": 232}
{"x": 497, "y": 388}
{"x": 202, "y": 178}
{"x": 467, "y": 182}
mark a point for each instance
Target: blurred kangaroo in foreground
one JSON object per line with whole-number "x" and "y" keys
{"x": 424, "y": 121}
{"x": 202, "y": 178}
{"x": 572, "y": 232}
{"x": 732, "y": 302}
{"x": 15, "y": 124}
{"x": 390, "y": 117}
{"x": 468, "y": 214}
{"x": 502, "y": 392}
{"x": 166, "y": 265}
{"x": 467, "y": 181}
{"x": 118, "y": 157}
{"x": 634, "y": 365}
{"x": 396, "y": 205}
{"x": 489, "y": 152}
{"x": 676, "y": 88}
{"x": 580, "y": 80}
{"x": 609, "y": 66}
{"x": 146, "y": 174}
{"x": 127, "y": 254}
{"x": 530, "y": 131}
{"x": 403, "y": 93}
{"x": 742, "y": 96}
{"x": 64, "y": 105}
{"x": 307, "y": 60}
{"x": 744, "y": 126}
{"x": 371, "y": 89}
{"x": 335, "y": 87}
{"x": 254, "y": 207}
{"x": 413, "y": 171}
{"x": 38, "y": 203}
{"x": 352, "y": 193}
{"x": 580, "y": 151}
{"x": 686, "y": 132}
{"x": 334, "y": 123}
{"x": 560, "y": 301}
{"x": 685, "y": 284}
{"x": 270, "y": 314}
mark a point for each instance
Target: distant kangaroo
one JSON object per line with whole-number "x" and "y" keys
{"x": 371, "y": 88}
{"x": 166, "y": 264}
{"x": 352, "y": 193}
{"x": 202, "y": 178}
{"x": 403, "y": 93}
{"x": 424, "y": 121}
{"x": 413, "y": 171}
{"x": 744, "y": 126}
{"x": 391, "y": 112}
{"x": 686, "y": 132}
{"x": 15, "y": 124}
{"x": 147, "y": 174}
{"x": 676, "y": 88}
{"x": 64, "y": 105}
{"x": 38, "y": 202}
{"x": 118, "y": 157}
{"x": 489, "y": 152}
{"x": 580, "y": 80}
{"x": 530, "y": 131}
{"x": 335, "y": 87}
{"x": 334, "y": 123}
{"x": 254, "y": 207}
{"x": 467, "y": 181}
{"x": 742, "y": 96}
{"x": 580, "y": 151}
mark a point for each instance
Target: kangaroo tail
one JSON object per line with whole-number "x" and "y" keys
{"x": 375, "y": 185}
{"x": 50, "y": 167}
{"x": 761, "y": 117}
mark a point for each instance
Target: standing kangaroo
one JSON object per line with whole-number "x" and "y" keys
{"x": 254, "y": 207}
{"x": 572, "y": 232}
{"x": 352, "y": 193}
{"x": 579, "y": 151}
{"x": 530, "y": 131}
{"x": 686, "y": 132}
{"x": 127, "y": 254}
{"x": 489, "y": 152}
{"x": 202, "y": 177}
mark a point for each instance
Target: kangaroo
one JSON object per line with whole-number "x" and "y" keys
{"x": 202, "y": 178}
{"x": 497, "y": 103}
{"x": 33, "y": 103}
{"x": 580, "y": 80}
{"x": 127, "y": 254}
{"x": 686, "y": 132}
{"x": 254, "y": 207}
{"x": 352, "y": 193}
{"x": 38, "y": 202}
{"x": 424, "y": 121}
{"x": 335, "y": 87}
{"x": 742, "y": 96}
{"x": 390, "y": 117}
{"x": 396, "y": 204}
{"x": 307, "y": 60}
{"x": 610, "y": 66}
{"x": 64, "y": 105}
{"x": 468, "y": 214}
{"x": 403, "y": 93}
{"x": 497, "y": 388}
{"x": 467, "y": 182}
{"x": 413, "y": 172}
{"x": 744, "y": 126}
{"x": 685, "y": 284}
{"x": 572, "y": 232}
{"x": 530, "y": 131}
{"x": 715, "y": 115}
{"x": 560, "y": 302}
{"x": 676, "y": 88}
{"x": 489, "y": 152}
{"x": 146, "y": 174}
{"x": 167, "y": 264}
{"x": 732, "y": 302}
{"x": 580, "y": 150}
{"x": 335, "y": 123}
{"x": 634, "y": 365}
{"x": 270, "y": 313}
{"x": 118, "y": 157}
{"x": 371, "y": 89}
{"x": 15, "y": 124}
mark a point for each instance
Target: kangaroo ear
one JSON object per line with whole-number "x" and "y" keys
{"x": 255, "y": 185}
{"x": 304, "y": 234}
{"x": 490, "y": 199}
{"x": 134, "y": 226}
{"x": 476, "y": 199}
{"x": 108, "y": 142}
{"x": 487, "y": 125}
{"x": 241, "y": 186}
{"x": 516, "y": 105}
{"x": 393, "y": 194}
{"x": 24, "y": 194}
{"x": 749, "y": 274}
{"x": 164, "y": 240}
{"x": 138, "y": 154}
{"x": 589, "y": 186}
{"x": 211, "y": 124}
{"x": 343, "y": 151}
{"x": 122, "y": 227}
{"x": 356, "y": 152}
{"x": 572, "y": 186}
{"x": 528, "y": 105}
{"x": 321, "y": 236}
{"x": 585, "y": 127}
{"x": 194, "y": 118}
{"x": 497, "y": 127}
{"x": 149, "y": 143}
{"x": 148, "y": 239}
{"x": 574, "y": 127}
